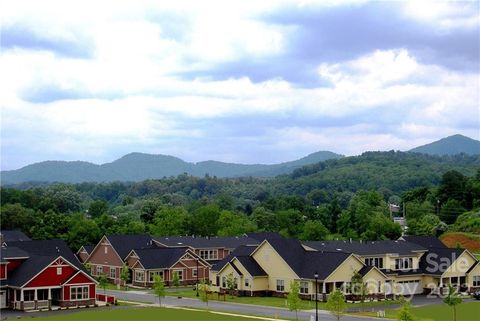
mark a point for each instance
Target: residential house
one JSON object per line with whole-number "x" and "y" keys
{"x": 84, "y": 252}
{"x": 269, "y": 269}
{"x": 110, "y": 253}
{"x": 43, "y": 274}
{"x": 165, "y": 262}
{"x": 211, "y": 249}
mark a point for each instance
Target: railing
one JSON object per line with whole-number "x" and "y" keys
{"x": 42, "y": 304}
{"x": 17, "y": 305}
{"x": 28, "y": 305}
{"x": 106, "y": 298}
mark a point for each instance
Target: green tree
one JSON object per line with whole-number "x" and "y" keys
{"x": 15, "y": 216}
{"x": 453, "y": 299}
{"x": 82, "y": 231}
{"x": 176, "y": 279}
{"x": 293, "y": 298}
{"x": 159, "y": 288}
{"x": 204, "y": 289}
{"x": 169, "y": 221}
{"x": 204, "y": 220}
{"x": 124, "y": 274}
{"x": 336, "y": 304}
{"x": 313, "y": 231}
{"x": 98, "y": 208}
{"x": 102, "y": 283}
{"x": 405, "y": 313}
{"x": 264, "y": 219}
{"x": 451, "y": 210}
{"x": 358, "y": 287}
{"x": 231, "y": 284}
{"x": 234, "y": 224}
{"x": 426, "y": 225}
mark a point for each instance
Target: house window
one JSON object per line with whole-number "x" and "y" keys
{"x": 59, "y": 271}
{"x": 280, "y": 285}
{"x": 405, "y": 263}
{"x": 304, "y": 287}
{"x": 247, "y": 282}
{"x": 79, "y": 293}
{"x": 224, "y": 282}
{"x": 347, "y": 287}
{"x": 151, "y": 275}
{"x": 194, "y": 272}
{"x": 476, "y": 280}
{"x": 29, "y": 295}
{"x": 99, "y": 269}
{"x": 105, "y": 249}
{"x": 180, "y": 274}
{"x": 42, "y": 294}
{"x": 209, "y": 254}
{"x": 139, "y": 276}
{"x": 374, "y": 261}
{"x": 113, "y": 273}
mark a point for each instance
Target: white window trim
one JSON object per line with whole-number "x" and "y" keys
{"x": 80, "y": 287}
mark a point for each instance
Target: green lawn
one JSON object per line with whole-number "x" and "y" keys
{"x": 469, "y": 311}
{"x": 143, "y": 314}
{"x": 271, "y": 301}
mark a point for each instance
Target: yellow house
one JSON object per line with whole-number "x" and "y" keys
{"x": 269, "y": 269}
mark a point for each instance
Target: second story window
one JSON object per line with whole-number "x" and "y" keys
{"x": 59, "y": 271}
{"x": 405, "y": 263}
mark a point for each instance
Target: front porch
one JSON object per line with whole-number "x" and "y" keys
{"x": 43, "y": 299}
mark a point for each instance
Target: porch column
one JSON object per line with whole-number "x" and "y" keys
{"x": 21, "y": 295}
{"x": 324, "y": 288}
{"x": 50, "y": 298}
{"x": 35, "y": 298}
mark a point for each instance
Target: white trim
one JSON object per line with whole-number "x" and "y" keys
{"x": 80, "y": 271}
{"x": 266, "y": 241}
{"x": 80, "y": 286}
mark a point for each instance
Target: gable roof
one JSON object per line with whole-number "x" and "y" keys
{"x": 49, "y": 248}
{"x": 161, "y": 257}
{"x": 243, "y": 250}
{"x": 88, "y": 248}
{"x": 260, "y": 236}
{"x": 438, "y": 260}
{"x": 253, "y": 268}
{"x": 368, "y": 247}
{"x": 13, "y": 236}
{"x": 425, "y": 241}
{"x": 28, "y": 269}
{"x": 199, "y": 242}
{"x": 123, "y": 244}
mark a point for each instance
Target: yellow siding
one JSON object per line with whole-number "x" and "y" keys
{"x": 275, "y": 267}
{"x": 259, "y": 284}
{"x": 345, "y": 271}
{"x": 460, "y": 267}
{"x": 474, "y": 272}
{"x": 372, "y": 280}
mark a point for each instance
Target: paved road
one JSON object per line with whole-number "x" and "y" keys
{"x": 230, "y": 307}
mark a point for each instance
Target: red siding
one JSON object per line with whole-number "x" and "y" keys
{"x": 92, "y": 291}
{"x": 49, "y": 276}
{"x": 80, "y": 278}
{"x": 66, "y": 293}
{"x": 13, "y": 264}
{"x": 3, "y": 271}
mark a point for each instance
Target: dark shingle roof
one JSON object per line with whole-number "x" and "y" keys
{"x": 12, "y": 252}
{"x": 425, "y": 241}
{"x": 88, "y": 248}
{"x": 364, "y": 270}
{"x": 367, "y": 247}
{"x": 243, "y": 250}
{"x": 251, "y": 265}
{"x": 164, "y": 257}
{"x": 235, "y": 268}
{"x": 13, "y": 236}
{"x": 51, "y": 248}
{"x": 29, "y": 269}
{"x": 438, "y": 260}
{"x": 199, "y": 242}
{"x": 123, "y": 244}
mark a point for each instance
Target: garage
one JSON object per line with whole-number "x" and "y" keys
{"x": 408, "y": 287}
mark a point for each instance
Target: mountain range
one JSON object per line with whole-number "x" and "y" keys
{"x": 139, "y": 166}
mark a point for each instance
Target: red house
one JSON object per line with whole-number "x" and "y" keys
{"x": 43, "y": 275}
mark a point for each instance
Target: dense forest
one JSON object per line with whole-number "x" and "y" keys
{"x": 343, "y": 198}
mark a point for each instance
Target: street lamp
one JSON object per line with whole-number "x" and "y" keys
{"x": 197, "y": 276}
{"x": 316, "y": 298}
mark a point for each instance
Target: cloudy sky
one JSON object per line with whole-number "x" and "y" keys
{"x": 244, "y": 81}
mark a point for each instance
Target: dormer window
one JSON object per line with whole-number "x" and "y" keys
{"x": 405, "y": 263}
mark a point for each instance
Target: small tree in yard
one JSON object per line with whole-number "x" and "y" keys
{"x": 176, "y": 279}
{"x": 204, "y": 289}
{"x": 293, "y": 298}
{"x": 231, "y": 284}
{"x": 453, "y": 299}
{"x": 358, "y": 288}
{"x": 102, "y": 283}
{"x": 159, "y": 288}
{"x": 405, "y": 313}
{"x": 336, "y": 304}
{"x": 124, "y": 275}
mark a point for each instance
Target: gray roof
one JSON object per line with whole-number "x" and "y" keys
{"x": 88, "y": 248}
{"x": 12, "y": 252}
{"x": 159, "y": 258}
{"x": 200, "y": 242}
{"x": 260, "y": 236}
{"x": 425, "y": 241}
{"x": 366, "y": 248}
{"x": 123, "y": 244}
{"x": 243, "y": 250}
{"x": 438, "y": 260}
{"x": 251, "y": 266}
{"x": 13, "y": 236}
{"x": 29, "y": 269}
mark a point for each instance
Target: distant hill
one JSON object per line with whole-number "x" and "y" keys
{"x": 451, "y": 145}
{"x": 138, "y": 166}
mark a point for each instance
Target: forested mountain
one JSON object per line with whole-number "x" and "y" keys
{"x": 451, "y": 145}
{"x": 344, "y": 198}
{"x": 137, "y": 167}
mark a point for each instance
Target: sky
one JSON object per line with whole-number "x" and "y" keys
{"x": 235, "y": 81}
